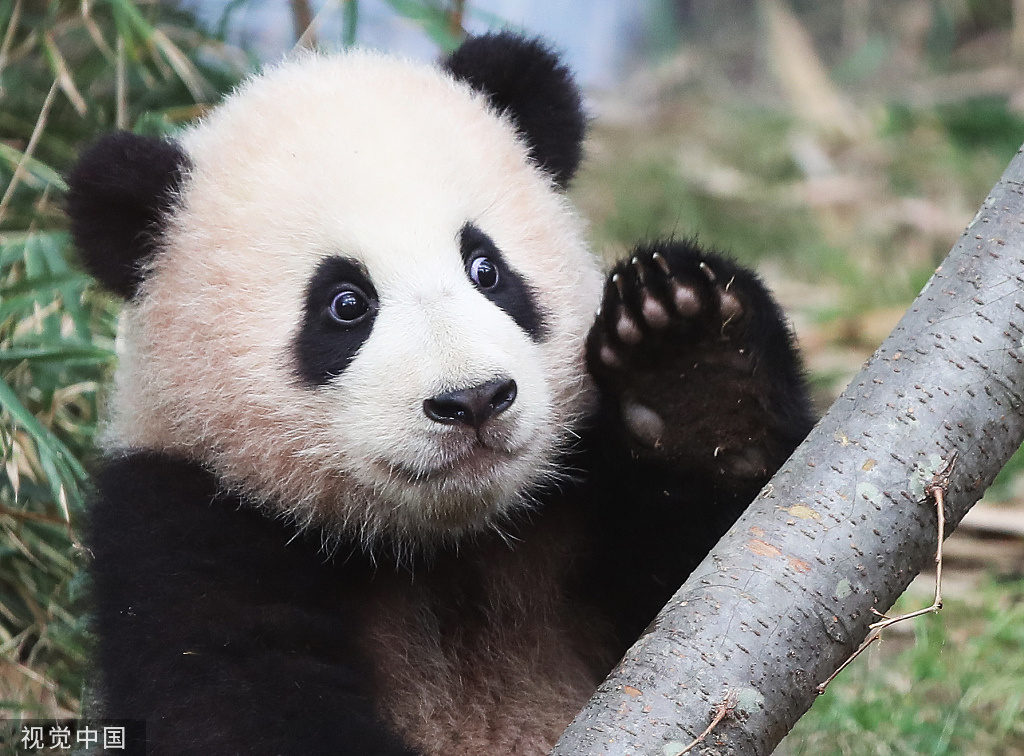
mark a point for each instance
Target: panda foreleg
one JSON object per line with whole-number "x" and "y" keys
{"x": 703, "y": 398}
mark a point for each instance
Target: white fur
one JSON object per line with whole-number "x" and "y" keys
{"x": 382, "y": 161}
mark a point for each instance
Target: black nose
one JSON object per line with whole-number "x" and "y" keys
{"x": 472, "y": 406}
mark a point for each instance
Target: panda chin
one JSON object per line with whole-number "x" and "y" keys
{"x": 456, "y": 493}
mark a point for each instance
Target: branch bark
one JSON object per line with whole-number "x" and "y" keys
{"x": 843, "y": 528}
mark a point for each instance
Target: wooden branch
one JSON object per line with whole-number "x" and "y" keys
{"x": 838, "y": 534}
{"x": 937, "y": 492}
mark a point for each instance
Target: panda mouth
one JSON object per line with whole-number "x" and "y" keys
{"x": 478, "y": 461}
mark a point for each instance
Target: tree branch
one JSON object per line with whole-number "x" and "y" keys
{"x": 838, "y": 534}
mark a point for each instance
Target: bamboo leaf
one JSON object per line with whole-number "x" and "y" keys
{"x": 129, "y": 17}
{"x": 39, "y": 173}
{"x": 48, "y": 283}
{"x": 46, "y": 442}
{"x": 20, "y": 297}
{"x": 67, "y": 353}
{"x": 52, "y": 252}
{"x": 433, "y": 20}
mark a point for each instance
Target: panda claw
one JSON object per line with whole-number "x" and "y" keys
{"x": 641, "y": 271}
{"x": 662, "y": 263}
{"x": 706, "y": 270}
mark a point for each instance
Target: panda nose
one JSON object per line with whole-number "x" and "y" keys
{"x": 471, "y": 406}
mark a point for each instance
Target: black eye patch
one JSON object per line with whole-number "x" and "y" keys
{"x": 489, "y": 272}
{"x": 341, "y": 305}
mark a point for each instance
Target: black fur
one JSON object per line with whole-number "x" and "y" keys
{"x": 217, "y": 626}
{"x": 119, "y": 195}
{"x": 524, "y": 79}
{"x": 511, "y": 293}
{"x": 323, "y": 346}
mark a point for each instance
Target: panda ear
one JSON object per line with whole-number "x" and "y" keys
{"x": 119, "y": 195}
{"x": 525, "y": 80}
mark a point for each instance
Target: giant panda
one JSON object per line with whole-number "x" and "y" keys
{"x": 376, "y": 478}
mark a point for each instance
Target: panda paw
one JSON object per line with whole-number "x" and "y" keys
{"x": 666, "y": 301}
{"x": 694, "y": 356}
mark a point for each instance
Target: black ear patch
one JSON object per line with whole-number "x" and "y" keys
{"x": 119, "y": 195}
{"x": 524, "y": 79}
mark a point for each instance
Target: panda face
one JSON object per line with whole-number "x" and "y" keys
{"x": 368, "y": 306}
{"x": 433, "y": 365}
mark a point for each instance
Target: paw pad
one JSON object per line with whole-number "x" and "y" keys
{"x": 646, "y": 425}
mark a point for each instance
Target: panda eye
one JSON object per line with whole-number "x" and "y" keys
{"x": 483, "y": 272}
{"x": 349, "y": 306}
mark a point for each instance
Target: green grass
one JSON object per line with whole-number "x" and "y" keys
{"x": 954, "y": 685}
{"x": 657, "y": 185}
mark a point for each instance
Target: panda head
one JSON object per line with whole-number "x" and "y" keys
{"x": 356, "y": 290}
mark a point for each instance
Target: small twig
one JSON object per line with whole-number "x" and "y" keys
{"x": 120, "y": 85}
{"x": 723, "y": 710}
{"x": 12, "y": 27}
{"x": 19, "y": 514}
{"x": 456, "y": 13}
{"x": 936, "y": 490}
{"x": 37, "y": 131}
{"x": 304, "y": 24}
{"x": 95, "y": 33}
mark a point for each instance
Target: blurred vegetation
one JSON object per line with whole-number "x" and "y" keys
{"x": 68, "y": 71}
{"x": 839, "y": 147}
{"x": 845, "y": 176}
